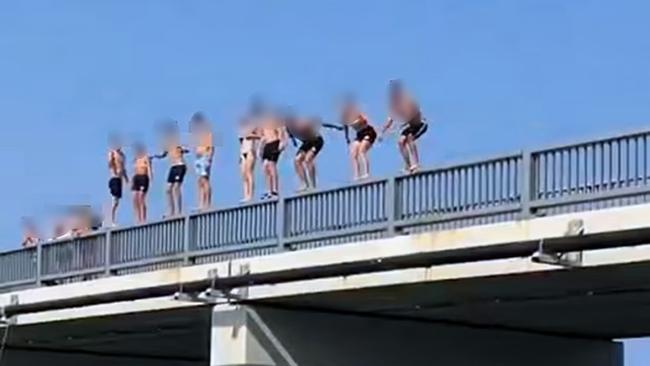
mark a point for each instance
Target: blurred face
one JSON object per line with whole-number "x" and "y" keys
{"x": 115, "y": 142}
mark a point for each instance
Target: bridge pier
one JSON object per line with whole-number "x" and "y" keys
{"x": 263, "y": 336}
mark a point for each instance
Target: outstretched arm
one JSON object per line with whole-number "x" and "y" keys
{"x": 160, "y": 156}
{"x": 333, "y": 126}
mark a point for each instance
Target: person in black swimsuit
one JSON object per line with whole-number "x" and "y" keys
{"x": 306, "y": 131}
{"x": 404, "y": 108}
{"x": 352, "y": 117}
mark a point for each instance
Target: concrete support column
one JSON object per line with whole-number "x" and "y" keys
{"x": 260, "y": 336}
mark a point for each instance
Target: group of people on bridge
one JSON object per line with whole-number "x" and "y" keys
{"x": 264, "y": 133}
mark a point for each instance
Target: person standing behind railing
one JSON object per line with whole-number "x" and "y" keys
{"x": 175, "y": 152}
{"x": 404, "y": 108}
{"x": 204, "y": 149}
{"x": 117, "y": 171}
{"x": 31, "y": 237}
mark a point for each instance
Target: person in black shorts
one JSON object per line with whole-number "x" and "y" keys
{"x": 118, "y": 174}
{"x": 306, "y": 131}
{"x": 175, "y": 152}
{"x": 143, "y": 175}
{"x": 273, "y": 137}
{"x": 353, "y": 118}
{"x": 404, "y": 108}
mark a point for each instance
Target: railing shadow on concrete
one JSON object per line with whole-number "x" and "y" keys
{"x": 583, "y": 176}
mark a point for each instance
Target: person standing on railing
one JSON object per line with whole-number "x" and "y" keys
{"x": 118, "y": 175}
{"x": 248, "y": 137}
{"x": 274, "y": 139}
{"x": 204, "y": 149}
{"x": 352, "y": 117}
{"x": 404, "y": 108}
{"x": 305, "y": 130}
{"x": 142, "y": 178}
{"x": 175, "y": 152}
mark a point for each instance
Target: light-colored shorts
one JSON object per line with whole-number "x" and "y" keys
{"x": 202, "y": 166}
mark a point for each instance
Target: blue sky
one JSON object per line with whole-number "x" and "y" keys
{"x": 493, "y": 76}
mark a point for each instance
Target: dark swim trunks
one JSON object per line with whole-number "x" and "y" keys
{"x": 177, "y": 174}
{"x": 115, "y": 186}
{"x": 314, "y": 145}
{"x": 140, "y": 183}
{"x": 367, "y": 133}
{"x": 271, "y": 151}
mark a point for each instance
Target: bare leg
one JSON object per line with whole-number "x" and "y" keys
{"x": 415, "y": 156}
{"x": 143, "y": 207}
{"x": 171, "y": 208}
{"x": 179, "y": 198}
{"x": 136, "y": 207}
{"x": 200, "y": 192}
{"x": 354, "y": 157}
{"x": 116, "y": 204}
{"x": 364, "y": 162}
{"x": 275, "y": 180}
{"x": 310, "y": 166}
{"x": 300, "y": 171}
{"x": 268, "y": 176}
{"x": 208, "y": 193}
{"x": 404, "y": 150}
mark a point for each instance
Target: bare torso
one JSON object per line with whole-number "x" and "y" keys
{"x": 116, "y": 163}
{"x": 141, "y": 166}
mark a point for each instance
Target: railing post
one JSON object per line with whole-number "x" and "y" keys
{"x": 280, "y": 228}
{"x": 39, "y": 263}
{"x": 527, "y": 181}
{"x": 186, "y": 240}
{"x": 107, "y": 253}
{"x": 391, "y": 205}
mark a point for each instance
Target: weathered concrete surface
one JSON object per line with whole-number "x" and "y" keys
{"x": 273, "y": 337}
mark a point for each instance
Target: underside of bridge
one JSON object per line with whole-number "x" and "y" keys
{"x": 172, "y": 337}
{"x": 564, "y": 317}
{"x": 605, "y": 303}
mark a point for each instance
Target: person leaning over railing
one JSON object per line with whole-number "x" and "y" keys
{"x": 30, "y": 234}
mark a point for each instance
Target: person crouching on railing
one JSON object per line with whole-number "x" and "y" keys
{"x": 404, "y": 108}
{"x": 352, "y": 117}
{"x": 305, "y": 130}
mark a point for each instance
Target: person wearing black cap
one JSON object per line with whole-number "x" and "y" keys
{"x": 403, "y": 107}
{"x": 204, "y": 150}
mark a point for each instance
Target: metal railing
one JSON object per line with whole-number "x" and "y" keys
{"x": 583, "y": 176}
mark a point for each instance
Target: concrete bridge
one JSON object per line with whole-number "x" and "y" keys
{"x": 432, "y": 268}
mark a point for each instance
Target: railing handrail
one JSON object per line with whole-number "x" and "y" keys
{"x": 599, "y": 140}
{"x": 424, "y": 202}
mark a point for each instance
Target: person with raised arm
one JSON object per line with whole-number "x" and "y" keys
{"x": 175, "y": 153}
{"x": 274, "y": 138}
{"x": 117, "y": 171}
{"x": 142, "y": 178}
{"x": 204, "y": 149}
{"x": 403, "y": 107}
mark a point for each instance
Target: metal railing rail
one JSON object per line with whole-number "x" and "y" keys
{"x": 587, "y": 175}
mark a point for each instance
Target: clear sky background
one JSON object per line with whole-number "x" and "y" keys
{"x": 493, "y": 77}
